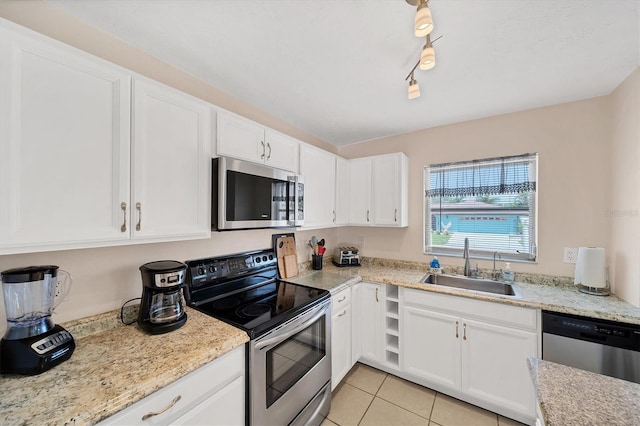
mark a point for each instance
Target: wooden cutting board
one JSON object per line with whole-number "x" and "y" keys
{"x": 287, "y": 257}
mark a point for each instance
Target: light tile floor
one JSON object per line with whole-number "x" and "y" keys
{"x": 372, "y": 397}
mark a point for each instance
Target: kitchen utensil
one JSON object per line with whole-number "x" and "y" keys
{"x": 162, "y": 305}
{"x": 287, "y": 257}
{"x": 32, "y": 343}
{"x": 321, "y": 243}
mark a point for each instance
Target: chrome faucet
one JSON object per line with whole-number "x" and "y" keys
{"x": 494, "y": 273}
{"x": 465, "y": 254}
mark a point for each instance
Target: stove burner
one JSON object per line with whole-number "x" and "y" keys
{"x": 226, "y": 303}
{"x": 255, "y": 309}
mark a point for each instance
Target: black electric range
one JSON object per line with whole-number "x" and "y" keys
{"x": 244, "y": 290}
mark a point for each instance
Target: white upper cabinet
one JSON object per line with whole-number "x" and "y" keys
{"x": 171, "y": 147}
{"x": 244, "y": 139}
{"x": 64, "y": 145}
{"x": 318, "y": 168}
{"x": 342, "y": 191}
{"x": 76, "y": 170}
{"x": 378, "y": 188}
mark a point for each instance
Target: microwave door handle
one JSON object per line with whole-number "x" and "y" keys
{"x": 292, "y": 218}
{"x": 282, "y": 337}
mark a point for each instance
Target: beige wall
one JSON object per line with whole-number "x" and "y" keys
{"x": 573, "y": 142}
{"x": 624, "y": 218}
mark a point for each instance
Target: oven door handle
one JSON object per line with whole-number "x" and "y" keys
{"x": 282, "y": 337}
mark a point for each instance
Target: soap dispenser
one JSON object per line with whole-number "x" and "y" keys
{"x": 507, "y": 274}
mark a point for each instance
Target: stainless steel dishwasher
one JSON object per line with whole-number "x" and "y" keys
{"x": 601, "y": 346}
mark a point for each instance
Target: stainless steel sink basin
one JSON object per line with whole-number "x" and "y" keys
{"x": 476, "y": 284}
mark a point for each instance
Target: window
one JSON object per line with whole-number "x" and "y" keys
{"x": 492, "y": 202}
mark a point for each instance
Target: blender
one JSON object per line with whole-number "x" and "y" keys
{"x": 32, "y": 343}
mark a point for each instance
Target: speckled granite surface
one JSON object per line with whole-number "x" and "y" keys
{"x": 551, "y": 294}
{"x": 568, "y": 396}
{"x": 112, "y": 367}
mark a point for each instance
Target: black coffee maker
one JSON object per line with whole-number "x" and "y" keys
{"x": 162, "y": 305}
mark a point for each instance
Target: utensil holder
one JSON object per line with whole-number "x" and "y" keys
{"x": 316, "y": 262}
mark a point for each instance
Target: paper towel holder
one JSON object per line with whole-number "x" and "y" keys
{"x": 593, "y": 256}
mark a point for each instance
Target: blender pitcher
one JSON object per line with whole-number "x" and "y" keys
{"x": 30, "y": 296}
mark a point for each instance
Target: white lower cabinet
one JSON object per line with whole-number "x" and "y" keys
{"x": 341, "y": 317}
{"x": 212, "y": 395}
{"x": 470, "y": 349}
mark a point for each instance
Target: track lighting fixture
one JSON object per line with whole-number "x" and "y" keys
{"x": 414, "y": 89}
{"x": 428, "y": 56}
{"x": 423, "y": 26}
{"x": 423, "y": 22}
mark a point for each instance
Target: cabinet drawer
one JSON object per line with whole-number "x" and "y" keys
{"x": 192, "y": 389}
{"x": 472, "y": 308}
{"x": 340, "y": 300}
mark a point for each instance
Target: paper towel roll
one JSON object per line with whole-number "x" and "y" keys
{"x": 590, "y": 267}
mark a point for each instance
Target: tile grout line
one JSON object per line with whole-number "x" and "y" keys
{"x": 373, "y": 399}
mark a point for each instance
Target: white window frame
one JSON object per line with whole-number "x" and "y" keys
{"x": 529, "y": 257}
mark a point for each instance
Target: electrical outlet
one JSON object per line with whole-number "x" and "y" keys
{"x": 570, "y": 255}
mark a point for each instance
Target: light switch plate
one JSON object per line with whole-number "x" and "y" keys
{"x": 570, "y": 255}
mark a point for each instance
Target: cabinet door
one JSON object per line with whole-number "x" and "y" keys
{"x": 64, "y": 156}
{"x": 318, "y": 168}
{"x": 371, "y": 317}
{"x": 240, "y": 138}
{"x": 224, "y": 408}
{"x": 431, "y": 346}
{"x": 494, "y": 360}
{"x": 387, "y": 190}
{"x": 342, "y": 191}
{"x": 281, "y": 151}
{"x": 170, "y": 164}
{"x": 360, "y": 192}
{"x": 356, "y": 323}
{"x": 340, "y": 345}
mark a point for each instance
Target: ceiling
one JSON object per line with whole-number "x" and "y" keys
{"x": 336, "y": 68}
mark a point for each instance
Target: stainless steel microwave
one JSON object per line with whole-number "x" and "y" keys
{"x": 247, "y": 196}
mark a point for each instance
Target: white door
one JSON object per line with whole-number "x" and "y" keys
{"x": 431, "y": 346}
{"x": 340, "y": 345}
{"x": 226, "y": 407}
{"x": 386, "y": 190}
{"x": 371, "y": 316}
{"x": 318, "y": 168}
{"x": 170, "y": 163}
{"x": 342, "y": 191}
{"x": 281, "y": 151}
{"x": 240, "y": 138}
{"x": 360, "y": 192}
{"x": 495, "y": 365}
{"x": 356, "y": 323}
{"x": 64, "y": 156}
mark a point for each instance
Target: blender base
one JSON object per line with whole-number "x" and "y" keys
{"x": 37, "y": 354}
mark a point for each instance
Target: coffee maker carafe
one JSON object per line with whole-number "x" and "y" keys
{"x": 162, "y": 305}
{"x": 32, "y": 343}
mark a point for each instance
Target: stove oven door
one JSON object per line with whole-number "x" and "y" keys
{"x": 290, "y": 367}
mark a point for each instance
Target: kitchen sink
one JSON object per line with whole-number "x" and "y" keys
{"x": 476, "y": 284}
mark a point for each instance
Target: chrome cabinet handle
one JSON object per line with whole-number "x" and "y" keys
{"x": 367, "y": 215}
{"x": 171, "y": 404}
{"x": 342, "y": 314}
{"x": 343, "y": 299}
{"x": 395, "y": 215}
{"x": 457, "y": 330}
{"x": 464, "y": 331}
{"x": 139, "y": 208}
{"x": 377, "y": 295}
{"x": 269, "y": 146}
{"x": 334, "y": 216}
{"x": 123, "y": 206}
{"x": 263, "y": 151}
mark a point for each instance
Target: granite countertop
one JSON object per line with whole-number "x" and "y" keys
{"x": 569, "y": 396}
{"x": 113, "y": 366}
{"x": 557, "y": 297}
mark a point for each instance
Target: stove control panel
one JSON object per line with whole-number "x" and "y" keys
{"x": 215, "y": 269}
